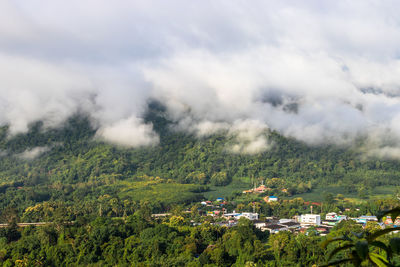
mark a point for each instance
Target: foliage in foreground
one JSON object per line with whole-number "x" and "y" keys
{"x": 367, "y": 247}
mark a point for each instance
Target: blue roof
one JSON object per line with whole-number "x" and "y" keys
{"x": 273, "y": 197}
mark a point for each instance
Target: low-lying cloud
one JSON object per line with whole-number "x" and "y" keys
{"x": 33, "y": 153}
{"x": 322, "y": 72}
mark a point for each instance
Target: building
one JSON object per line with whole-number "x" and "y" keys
{"x": 210, "y": 213}
{"x": 226, "y": 224}
{"x": 274, "y": 228}
{"x": 259, "y": 224}
{"x": 364, "y": 219}
{"x": 272, "y": 198}
{"x": 285, "y": 221}
{"x": 291, "y": 225}
{"x": 236, "y": 216}
{"x": 249, "y": 215}
{"x": 331, "y": 216}
{"x": 232, "y": 215}
{"x": 260, "y": 189}
{"x": 330, "y": 222}
{"x": 310, "y": 219}
{"x": 322, "y": 230}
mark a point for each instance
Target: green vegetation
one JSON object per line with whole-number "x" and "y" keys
{"x": 110, "y": 193}
{"x": 372, "y": 246}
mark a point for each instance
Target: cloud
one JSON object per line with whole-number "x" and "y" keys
{"x": 33, "y": 153}
{"x": 130, "y": 132}
{"x": 249, "y": 137}
{"x": 316, "y": 71}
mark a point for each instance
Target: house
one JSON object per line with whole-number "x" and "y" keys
{"x": 220, "y": 199}
{"x": 388, "y": 221}
{"x": 233, "y": 215}
{"x": 226, "y": 224}
{"x": 291, "y": 225}
{"x": 216, "y": 212}
{"x": 285, "y": 220}
{"x": 330, "y": 222}
{"x": 249, "y": 215}
{"x": 259, "y": 224}
{"x": 272, "y": 198}
{"x": 274, "y": 228}
{"x": 310, "y": 219}
{"x": 323, "y": 230}
{"x": 331, "y": 216}
{"x": 364, "y": 219}
{"x": 260, "y": 189}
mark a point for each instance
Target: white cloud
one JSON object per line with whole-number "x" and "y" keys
{"x": 130, "y": 132}
{"x": 34, "y": 152}
{"x": 316, "y": 71}
{"x": 249, "y": 137}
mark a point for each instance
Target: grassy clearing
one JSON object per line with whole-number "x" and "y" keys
{"x": 237, "y": 184}
{"x": 317, "y": 194}
{"x": 153, "y": 191}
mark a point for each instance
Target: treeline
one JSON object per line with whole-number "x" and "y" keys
{"x": 139, "y": 241}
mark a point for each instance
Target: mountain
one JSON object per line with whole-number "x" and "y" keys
{"x": 71, "y": 164}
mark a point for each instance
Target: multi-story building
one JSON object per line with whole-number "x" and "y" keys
{"x": 310, "y": 219}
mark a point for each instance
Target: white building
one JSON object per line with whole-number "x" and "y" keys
{"x": 312, "y": 219}
{"x": 249, "y": 215}
{"x": 272, "y": 199}
{"x": 285, "y": 220}
{"x": 331, "y": 216}
{"x": 259, "y": 224}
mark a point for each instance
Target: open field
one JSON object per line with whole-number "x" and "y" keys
{"x": 238, "y": 184}
{"x": 155, "y": 191}
{"x": 317, "y": 194}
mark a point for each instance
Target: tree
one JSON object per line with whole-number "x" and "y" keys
{"x": 220, "y": 179}
{"x": 366, "y": 247}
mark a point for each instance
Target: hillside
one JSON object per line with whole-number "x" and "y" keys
{"x": 92, "y": 201}
{"x": 69, "y": 164}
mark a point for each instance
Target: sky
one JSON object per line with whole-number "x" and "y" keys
{"x": 319, "y": 71}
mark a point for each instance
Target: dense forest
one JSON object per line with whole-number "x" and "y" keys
{"x": 69, "y": 164}
{"x": 66, "y": 174}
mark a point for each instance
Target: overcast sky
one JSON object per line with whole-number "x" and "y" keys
{"x": 319, "y": 71}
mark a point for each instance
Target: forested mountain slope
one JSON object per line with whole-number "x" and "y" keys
{"x": 71, "y": 164}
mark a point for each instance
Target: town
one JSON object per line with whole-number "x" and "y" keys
{"x": 319, "y": 223}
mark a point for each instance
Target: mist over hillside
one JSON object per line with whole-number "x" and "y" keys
{"x": 73, "y": 153}
{"x": 199, "y": 133}
{"x": 311, "y": 71}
